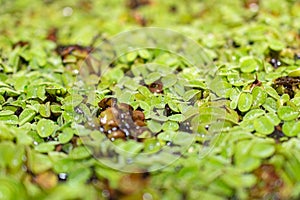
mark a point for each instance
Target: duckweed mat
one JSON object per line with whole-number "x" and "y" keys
{"x": 148, "y": 99}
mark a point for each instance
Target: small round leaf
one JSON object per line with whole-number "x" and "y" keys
{"x": 291, "y": 128}
{"x": 263, "y": 125}
{"x": 287, "y": 113}
{"x": 45, "y": 127}
{"x": 245, "y": 102}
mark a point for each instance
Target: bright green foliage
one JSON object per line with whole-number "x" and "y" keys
{"x": 228, "y": 129}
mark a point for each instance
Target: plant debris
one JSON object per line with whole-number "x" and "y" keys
{"x": 270, "y": 184}
{"x": 120, "y": 121}
{"x": 287, "y": 85}
{"x": 134, "y": 4}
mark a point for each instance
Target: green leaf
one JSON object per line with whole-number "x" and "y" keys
{"x": 219, "y": 86}
{"x": 115, "y": 74}
{"x": 46, "y": 127}
{"x": 71, "y": 101}
{"x": 64, "y": 165}
{"x": 249, "y": 65}
{"x": 177, "y": 117}
{"x": 66, "y": 135}
{"x": 188, "y": 95}
{"x": 80, "y": 152}
{"x": 26, "y": 115}
{"x": 167, "y": 135}
{"x": 154, "y": 126}
{"x": 36, "y": 91}
{"x": 271, "y": 91}
{"x": 152, "y": 77}
{"x": 253, "y": 114}
{"x": 232, "y": 116}
{"x": 152, "y": 146}
{"x": 129, "y": 147}
{"x": 5, "y": 133}
{"x": 144, "y": 54}
{"x": 46, "y": 147}
{"x": 294, "y": 73}
{"x": 243, "y": 160}
{"x": 273, "y": 118}
{"x": 7, "y": 152}
{"x": 259, "y": 97}
{"x": 44, "y": 110}
{"x": 139, "y": 70}
{"x": 196, "y": 84}
{"x": 270, "y": 105}
{"x": 260, "y": 149}
{"x": 10, "y": 119}
{"x": 173, "y": 105}
{"x": 130, "y": 83}
{"x": 145, "y": 106}
{"x": 291, "y": 128}
{"x": 235, "y": 180}
{"x": 263, "y": 125}
{"x": 20, "y": 83}
{"x": 170, "y": 125}
{"x": 55, "y": 109}
{"x": 276, "y": 45}
{"x": 6, "y": 112}
{"x": 24, "y": 138}
{"x": 245, "y": 102}
{"x": 126, "y": 97}
{"x": 169, "y": 80}
{"x": 287, "y": 113}
{"x": 234, "y": 96}
{"x": 144, "y": 91}
{"x": 183, "y": 138}
{"x": 179, "y": 88}
{"x": 212, "y": 113}
{"x": 9, "y": 92}
{"x": 131, "y": 56}
{"x": 80, "y": 175}
{"x": 11, "y": 188}
{"x": 38, "y": 163}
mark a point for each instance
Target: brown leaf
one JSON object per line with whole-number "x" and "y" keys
{"x": 131, "y": 183}
{"x": 269, "y": 183}
{"x": 46, "y": 180}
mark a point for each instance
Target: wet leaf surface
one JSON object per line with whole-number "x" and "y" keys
{"x": 45, "y": 127}
{"x": 155, "y": 106}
